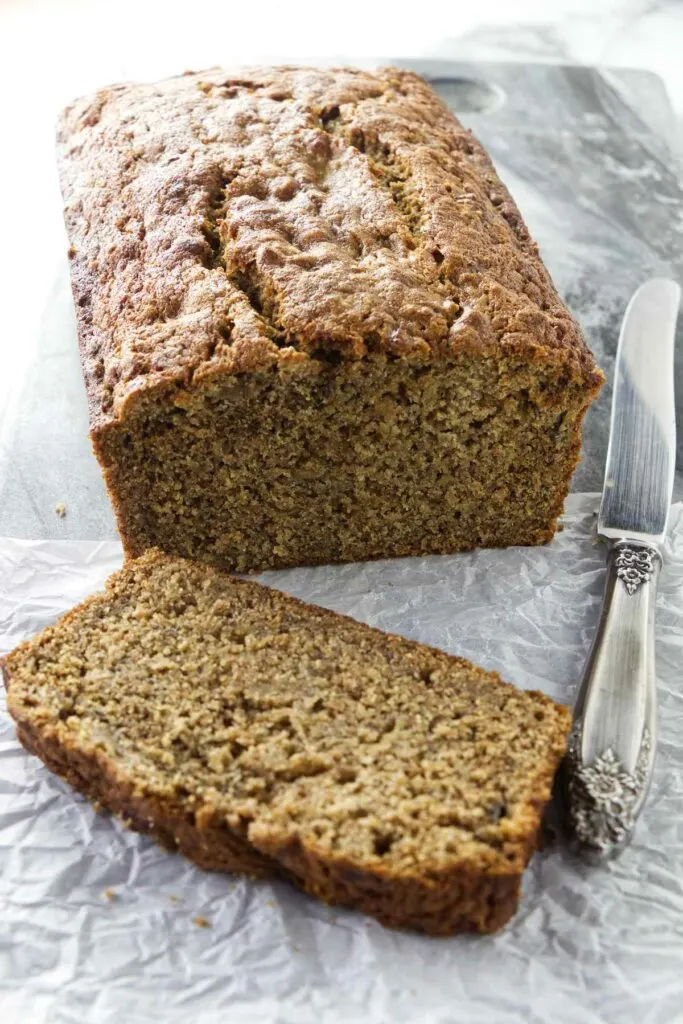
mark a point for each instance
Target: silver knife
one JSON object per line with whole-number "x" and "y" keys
{"x": 613, "y": 739}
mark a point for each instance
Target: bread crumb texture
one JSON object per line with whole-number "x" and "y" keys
{"x": 260, "y": 735}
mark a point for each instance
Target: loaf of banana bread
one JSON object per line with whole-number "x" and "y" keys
{"x": 313, "y": 325}
{"x": 258, "y": 734}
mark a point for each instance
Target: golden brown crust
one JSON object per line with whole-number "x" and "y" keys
{"x": 224, "y": 223}
{"x": 441, "y": 904}
{"x": 473, "y": 889}
{"x": 212, "y": 845}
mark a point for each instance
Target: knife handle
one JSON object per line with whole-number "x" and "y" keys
{"x": 612, "y": 743}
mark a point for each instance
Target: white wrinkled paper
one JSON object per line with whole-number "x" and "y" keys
{"x": 97, "y": 923}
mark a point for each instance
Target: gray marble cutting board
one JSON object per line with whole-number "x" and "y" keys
{"x": 586, "y": 155}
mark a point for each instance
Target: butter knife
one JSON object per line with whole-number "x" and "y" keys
{"x": 612, "y": 744}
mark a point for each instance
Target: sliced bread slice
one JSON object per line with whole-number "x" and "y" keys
{"x": 258, "y": 734}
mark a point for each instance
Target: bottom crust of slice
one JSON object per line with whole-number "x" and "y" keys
{"x": 440, "y": 903}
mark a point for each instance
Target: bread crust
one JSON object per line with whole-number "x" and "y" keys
{"x": 209, "y": 215}
{"x": 442, "y": 904}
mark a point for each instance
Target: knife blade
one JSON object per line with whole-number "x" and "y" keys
{"x": 612, "y": 744}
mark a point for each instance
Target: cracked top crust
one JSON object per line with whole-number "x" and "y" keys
{"x": 227, "y": 222}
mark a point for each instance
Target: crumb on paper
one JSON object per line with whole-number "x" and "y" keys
{"x": 201, "y": 922}
{"x": 60, "y": 509}
{"x": 173, "y": 899}
{"x": 269, "y": 903}
{"x": 110, "y": 895}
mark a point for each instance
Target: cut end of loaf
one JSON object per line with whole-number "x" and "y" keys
{"x": 258, "y": 734}
{"x": 334, "y": 463}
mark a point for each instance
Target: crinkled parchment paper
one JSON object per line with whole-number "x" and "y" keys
{"x": 98, "y": 924}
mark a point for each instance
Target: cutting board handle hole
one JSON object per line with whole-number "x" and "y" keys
{"x": 468, "y": 95}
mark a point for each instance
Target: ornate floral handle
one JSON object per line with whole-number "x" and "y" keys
{"x": 612, "y": 743}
